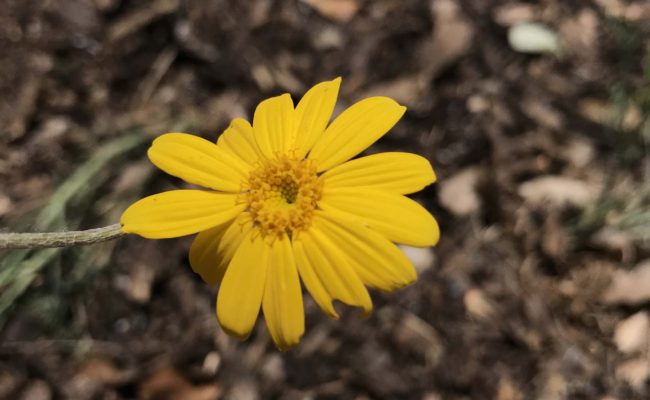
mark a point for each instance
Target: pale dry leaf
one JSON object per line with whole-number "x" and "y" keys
{"x": 595, "y": 110}
{"x": 579, "y": 34}
{"x": 337, "y": 10}
{"x": 5, "y": 204}
{"x": 421, "y": 257}
{"x": 37, "y": 390}
{"x": 458, "y": 192}
{"x": 508, "y": 391}
{"x": 603, "y": 112}
{"x": 202, "y": 392}
{"x": 477, "y": 104}
{"x": 554, "y": 388}
{"x": 614, "y": 239}
{"x": 635, "y": 372}
{"x": 632, "y": 118}
{"x": 637, "y": 12}
{"x": 477, "y": 304}
{"x": 273, "y": 369}
{"x": 629, "y": 287}
{"x": 211, "y": 363}
{"x": 514, "y": 13}
{"x": 614, "y": 8}
{"x": 140, "y": 18}
{"x": 167, "y": 383}
{"x": 408, "y": 90}
{"x": 631, "y": 334}
{"x": 329, "y": 37}
{"x": 542, "y": 113}
{"x": 103, "y": 371}
{"x": 419, "y": 336}
{"x": 557, "y": 191}
{"x": 95, "y": 374}
{"x": 579, "y": 152}
{"x": 452, "y": 36}
{"x": 533, "y": 38}
{"x": 142, "y": 277}
{"x": 243, "y": 389}
{"x": 164, "y": 381}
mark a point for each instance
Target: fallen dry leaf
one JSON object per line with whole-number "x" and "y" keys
{"x": 508, "y": 391}
{"x": 533, "y": 38}
{"x": 579, "y": 152}
{"x": 5, "y": 204}
{"x": 637, "y": 12}
{"x": 408, "y": 90}
{"x": 37, "y": 390}
{"x": 613, "y": 239}
{"x": 167, "y": 383}
{"x": 452, "y": 36}
{"x": 514, "y": 13}
{"x": 603, "y": 112}
{"x": 420, "y": 337}
{"x": 631, "y": 334}
{"x": 211, "y": 363}
{"x": 458, "y": 192}
{"x": 337, "y": 10}
{"x": 555, "y": 387}
{"x": 614, "y": 8}
{"x": 95, "y": 374}
{"x": 421, "y": 257}
{"x": 542, "y": 113}
{"x": 629, "y": 287}
{"x": 579, "y": 34}
{"x": 557, "y": 191}
{"x": 103, "y": 371}
{"x": 634, "y": 372}
{"x": 477, "y": 304}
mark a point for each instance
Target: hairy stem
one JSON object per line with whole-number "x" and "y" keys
{"x": 59, "y": 239}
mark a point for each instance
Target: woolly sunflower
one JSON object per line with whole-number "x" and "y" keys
{"x": 286, "y": 204}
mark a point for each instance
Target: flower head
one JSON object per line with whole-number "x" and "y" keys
{"x": 286, "y": 203}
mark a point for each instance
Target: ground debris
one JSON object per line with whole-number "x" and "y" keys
{"x": 557, "y": 191}
{"x": 537, "y": 289}
{"x": 337, "y": 10}
{"x": 633, "y": 333}
{"x": 629, "y": 287}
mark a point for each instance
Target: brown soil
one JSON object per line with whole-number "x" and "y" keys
{"x": 542, "y": 197}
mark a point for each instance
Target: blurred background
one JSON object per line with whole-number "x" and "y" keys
{"x": 538, "y": 289}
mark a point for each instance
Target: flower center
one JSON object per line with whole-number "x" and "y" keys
{"x": 282, "y": 196}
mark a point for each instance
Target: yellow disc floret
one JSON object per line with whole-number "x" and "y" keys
{"x": 282, "y": 196}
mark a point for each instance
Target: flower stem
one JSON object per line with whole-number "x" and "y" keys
{"x": 59, "y": 239}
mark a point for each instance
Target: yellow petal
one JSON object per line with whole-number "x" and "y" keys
{"x": 398, "y": 218}
{"x": 379, "y": 263}
{"x": 238, "y": 140}
{"x": 179, "y": 213}
{"x": 233, "y": 237}
{"x": 313, "y": 112}
{"x": 199, "y": 161}
{"x": 273, "y": 125}
{"x": 213, "y": 249}
{"x": 326, "y": 272}
{"x": 203, "y": 254}
{"x": 401, "y": 173}
{"x": 282, "y": 303}
{"x": 354, "y": 130}
{"x": 311, "y": 279}
{"x": 242, "y": 288}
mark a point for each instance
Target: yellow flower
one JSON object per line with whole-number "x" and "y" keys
{"x": 287, "y": 204}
